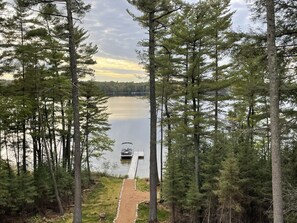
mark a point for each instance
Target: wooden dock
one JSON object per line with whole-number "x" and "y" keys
{"x": 134, "y": 163}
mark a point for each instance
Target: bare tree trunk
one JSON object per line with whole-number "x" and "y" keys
{"x": 52, "y": 172}
{"x": 64, "y": 157}
{"x": 87, "y": 143}
{"x": 216, "y": 92}
{"x": 230, "y": 210}
{"x": 209, "y": 210}
{"x": 47, "y": 153}
{"x": 274, "y": 115}
{"x": 153, "y": 122}
{"x": 77, "y": 215}
{"x": 53, "y": 155}
{"x": 54, "y": 132}
{"x": 0, "y": 144}
{"x": 17, "y": 154}
{"x": 23, "y": 122}
{"x": 196, "y": 134}
{"x": 162, "y": 136}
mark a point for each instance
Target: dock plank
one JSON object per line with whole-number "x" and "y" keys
{"x": 133, "y": 165}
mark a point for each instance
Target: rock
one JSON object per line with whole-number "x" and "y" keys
{"x": 102, "y": 215}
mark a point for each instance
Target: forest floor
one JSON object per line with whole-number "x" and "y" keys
{"x": 109, "y": 199}
{"x": 99, "y": 204}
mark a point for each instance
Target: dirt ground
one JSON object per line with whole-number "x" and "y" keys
{"x": 129, "y": 200}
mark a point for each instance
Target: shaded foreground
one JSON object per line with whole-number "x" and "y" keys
{"x": 105, "y": 198}
{"x": 99, "y": 203}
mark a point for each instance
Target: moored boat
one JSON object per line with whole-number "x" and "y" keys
{"x": 127, "y": 150}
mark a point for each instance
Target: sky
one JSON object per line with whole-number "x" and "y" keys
{"x": 115, "y": 33}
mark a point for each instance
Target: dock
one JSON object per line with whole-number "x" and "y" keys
{"x": 134, "y": 162}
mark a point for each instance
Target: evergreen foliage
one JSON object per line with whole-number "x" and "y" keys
{"x": 36, "y": 130}
{"x": 212, "y": 87}
{"x": 210, "y": 83}
{"x": 229, "y": 190}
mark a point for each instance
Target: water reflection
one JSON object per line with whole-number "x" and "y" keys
{"x": 127, "y": 108}
{"x": 130, "y": 122}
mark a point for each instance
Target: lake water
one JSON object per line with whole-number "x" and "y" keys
{"x": 129, "y": 121}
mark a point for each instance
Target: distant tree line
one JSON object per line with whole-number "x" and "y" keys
{"x": 123, "y": 88}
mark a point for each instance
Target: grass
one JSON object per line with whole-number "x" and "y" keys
{"x": 102, "y": 198}
{"x": 143, "y": 213}
{"x": 143, "y": 208}
{"x": 142, "y": 185}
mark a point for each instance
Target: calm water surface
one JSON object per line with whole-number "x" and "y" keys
{"x": 129, "y": 119}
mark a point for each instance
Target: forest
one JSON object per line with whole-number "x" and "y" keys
{"x": 39, "y": 118}
{"x": 123, "y": 88}
{"x": 226, "y": 101}
{"x": 228, "y": 112}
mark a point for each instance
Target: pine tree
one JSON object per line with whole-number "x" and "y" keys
{"x": 220, "y": 45}
{"x": 4, "y": 187}
{"x": 174, "y": 187}
{"x": 228, "y": 190}
{"x": 2, "y": 25}
{"x": 94, "y": 123}
{"x": 187, "y": 45}
{"x": 152, "y": 11}
{"x": 274, "y": 114}
{"x": 77, "y": 215}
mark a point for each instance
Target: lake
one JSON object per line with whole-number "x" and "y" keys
{"x": 130, "y": 121}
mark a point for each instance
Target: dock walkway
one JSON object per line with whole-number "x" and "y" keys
{"x": 130, "y": 197}
{"x": 134, "y": 163}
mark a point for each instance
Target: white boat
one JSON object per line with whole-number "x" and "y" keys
{"x": 127, "y": 150}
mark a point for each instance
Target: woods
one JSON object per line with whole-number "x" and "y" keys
{"x": 42, "y": 121}
{"x": 223, "y": 99}
{"x": 225, "y": 110}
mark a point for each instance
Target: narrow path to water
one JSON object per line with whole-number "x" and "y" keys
{"x": 129, "y": 200}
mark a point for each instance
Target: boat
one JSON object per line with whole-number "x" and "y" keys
{"x": 127, "y": 150}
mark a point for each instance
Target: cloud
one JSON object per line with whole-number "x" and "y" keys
{"x": 113, "y": 29}
{"x": 117, "y": 36}
{"x": 241, "y": 18}
{"x": 109, "y": 69}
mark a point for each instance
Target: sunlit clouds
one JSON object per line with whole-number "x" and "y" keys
{"x": 115, "y": 33}
{"x": 109, "y": 69}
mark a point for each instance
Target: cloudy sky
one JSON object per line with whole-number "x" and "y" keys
{"x": 115, "y": 33}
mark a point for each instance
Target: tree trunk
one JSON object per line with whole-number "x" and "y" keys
{"x": 274, "y": 115}
{"x": 47, "y": 124}
{"x": 209, "y": 209}
{"x": 68, "y": 155}
{"x": 64, "y": 156}
{"x": 54, "y": 133}
{"x": 52, "y": 171}
{"x": 153, "y": 123}
{"x": 24, "y": 147}
{"x": 17, "y": 154}
{"x": 216, "y": 92}
{"x": 0, "y": 144}
{"x": 23, "y": 121}
{"x": 173, "y": 213}
{"x": 87, "y": 141}
{"x": 230, "y": 210}
{"x": 77, "y": 215}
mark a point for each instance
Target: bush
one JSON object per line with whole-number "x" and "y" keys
{"x": 4, "y": 188}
